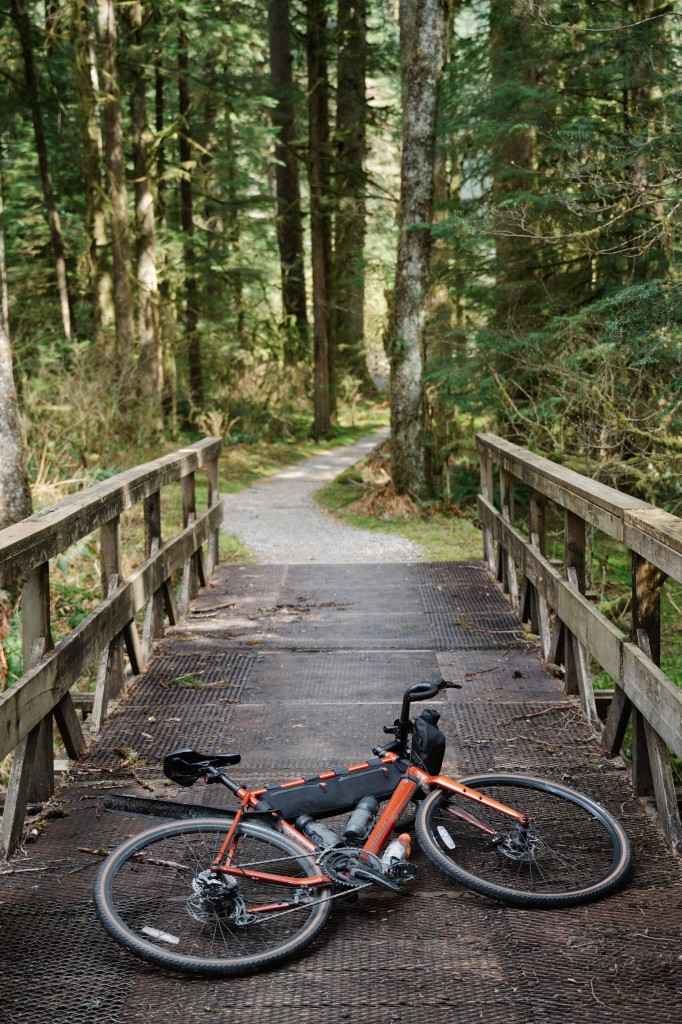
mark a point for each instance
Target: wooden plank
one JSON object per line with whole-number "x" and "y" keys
{"x": 646, "y": 605}
{"x": 650, "y": 690}
{"x": 602, "y": 506}
{"x": 112, "y": 574}
{"x": 50, "y": 531}
{"x": 21, "y": 772}
{"x": 213, "y": 473}
{"x": 616, "y": 722}
{"x": 16, "y": 800}
{"x": 153, "y": 628}
{"x": 190, "y": 578}
{"x": 508, "y": 566}
{"x": 657, "y": 536}
{"x": 574, "y": 565}
{"x": 69, "y": 727}
{"x": 36, "y": 693}
{"x": 581, "y": 666}
{"x": 540, "y": 615}
{"x": 486, "y": 467}
{"x": 36, "y": 640}
{"x": 664, "y": 788}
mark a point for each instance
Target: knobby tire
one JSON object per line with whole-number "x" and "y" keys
{"x": 578, "y": 851}
{"x": 147, "y": 884}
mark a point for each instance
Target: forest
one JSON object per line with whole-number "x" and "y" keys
{"x": 245, "y": 217}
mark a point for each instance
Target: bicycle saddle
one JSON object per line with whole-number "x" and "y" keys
{"x": 186, "y": 766}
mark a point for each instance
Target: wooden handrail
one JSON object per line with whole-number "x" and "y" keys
{"x": 47, "y": 533}
{"x": 571, "y": 629}
{"x": 42, "y": 693}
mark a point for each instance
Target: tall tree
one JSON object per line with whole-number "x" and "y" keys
{"x": 289, "y": 216}
{"x": 87, "y": 89}
{"x": 23, "y": 25}
{"x": 422, "y": 49}
{"x": 149, "y": 328}
{"x": 4, "y": 294}
{"x": 15, "y": 492}
{"x": 196, "y": 379}
{"x": 350, "y": 186}
{"x": 117, "y": 189}
{"x": 320, "y": 228}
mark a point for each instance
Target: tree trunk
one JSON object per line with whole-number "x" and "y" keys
{"x": 196, "y": 384}
{"x": 233, "y": 229}
{"x": 118, "y": 196}
{"x": 517, "y": 291}
{"x": 87, "y": 88}
{"x": 422, "y": 44}
{"x": 23, "y": 26}
{"x": 4, "y": 293}
{"x": 318, "y": 173}
{"x": 149, "y": 330}
{"x": 350, "y": 184}
{"x": 289, "y": 218}
{"x": 15, "y": 492}
{"x": 167, "y": 307}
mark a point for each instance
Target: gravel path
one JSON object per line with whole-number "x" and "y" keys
{"x": 278, "y": 520}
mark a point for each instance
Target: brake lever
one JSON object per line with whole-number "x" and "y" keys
{"x": 445, "y": 685}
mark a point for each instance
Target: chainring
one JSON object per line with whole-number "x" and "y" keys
{"x": 340, "y": 862}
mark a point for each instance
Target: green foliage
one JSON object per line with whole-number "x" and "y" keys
{"x": 561, "y": 324}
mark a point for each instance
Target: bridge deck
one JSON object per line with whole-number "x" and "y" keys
{"x": 299, "y": 668}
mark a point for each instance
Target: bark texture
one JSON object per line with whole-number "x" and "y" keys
{"x": 196, "y": 383}
{"x": 350, "y": 184}
{"x": 318, "y": 173}
{"x": 118, "y": 194}
{"x": 289, "y": 217}
{"x": 23, "y": 26}
{"x": 422, "y": 43}
{"x": 15, "y": 492}
{"x": 148, "y": 327}
{"x": 87, "y": 88}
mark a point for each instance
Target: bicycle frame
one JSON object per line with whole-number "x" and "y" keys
{"x": 415, "y": 778}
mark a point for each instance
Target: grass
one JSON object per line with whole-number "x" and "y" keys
{"x": 444, "y": 535}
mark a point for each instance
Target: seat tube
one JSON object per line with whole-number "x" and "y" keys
{"x": 392, "y": 811}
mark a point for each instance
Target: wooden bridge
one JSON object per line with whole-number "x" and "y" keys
{"x": 300, "y": 667}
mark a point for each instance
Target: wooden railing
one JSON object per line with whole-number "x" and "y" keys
{"x": 107, "y": 634}
{"x": 570, "y": 627}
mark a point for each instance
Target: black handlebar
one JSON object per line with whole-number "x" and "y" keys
{"x": 423, "y": 691}
{"x": 402, "y": 726}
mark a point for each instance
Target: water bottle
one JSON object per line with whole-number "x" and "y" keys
{"x": 361, "y": 820}
{"x": 397, "y": 851}
{"x": 320, "y": 834}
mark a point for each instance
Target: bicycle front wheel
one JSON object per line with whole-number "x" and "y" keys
{"x": 156, "y": 895}
{"x": 574, "y": 851}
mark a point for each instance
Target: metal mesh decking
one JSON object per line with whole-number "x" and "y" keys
{"x": 299, "y": 668}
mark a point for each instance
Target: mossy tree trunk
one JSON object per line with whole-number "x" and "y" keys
{"x": 422, "y": 46}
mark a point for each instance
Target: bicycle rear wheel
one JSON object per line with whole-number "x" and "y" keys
{"x": 573, "y": 852}
{"x": 156, "y": 896}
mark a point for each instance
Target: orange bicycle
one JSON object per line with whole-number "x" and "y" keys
{"x": 221, "y": 897}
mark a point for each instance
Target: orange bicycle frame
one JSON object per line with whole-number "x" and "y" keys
{"x": 414, "y": 778}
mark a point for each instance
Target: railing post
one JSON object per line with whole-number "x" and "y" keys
{"x": 213, "y": 499}
{"x": 110, "y": 672}
{"x": 487, "y": 491}
{"x": 507, "y": 566}
{"x": 32, "y": 774}
{"x": 539, "y": 615}
{"x": 153, "y": 621}
{"x": 193, "y": 573}
{"x": 574, "y": 559}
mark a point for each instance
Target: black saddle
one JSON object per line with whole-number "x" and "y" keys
{"x": 187, "y": 766}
